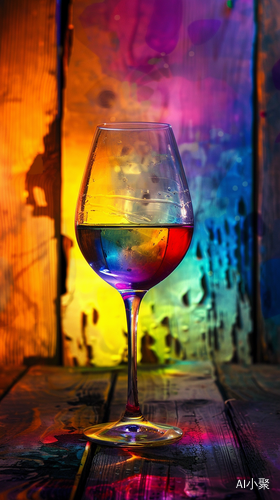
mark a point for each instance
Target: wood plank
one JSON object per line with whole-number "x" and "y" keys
{"x": 204, "y": 464}
{"x": 257, "y": 425}
{"x": 8, "y": 377}
{"x": 254, "y": 383}
{"x": 30, "y": 181}
{"x": 268, "y": 181}
{"x": 42, "y": 419}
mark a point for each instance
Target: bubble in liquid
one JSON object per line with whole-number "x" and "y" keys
{"x": 124, "y": 179}
{"x": 169, "y": 189}
{"x": 159, "y": 194}
{"x": 119, "y": 142}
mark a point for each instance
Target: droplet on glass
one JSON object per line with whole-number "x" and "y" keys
{"x": 146, "y": 196}
{"x": 154, "y": 179}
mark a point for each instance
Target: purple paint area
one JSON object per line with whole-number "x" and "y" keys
{"x": 202, "y": 30}
{"x": 163, "y": 30}
{"x": 276, "y": 74}
{"x": 277, "y": 138}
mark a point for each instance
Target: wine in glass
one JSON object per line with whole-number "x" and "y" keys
{"x": 134, "y": 225}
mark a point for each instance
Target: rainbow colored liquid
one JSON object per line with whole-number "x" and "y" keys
{"x": 134, "y": 257}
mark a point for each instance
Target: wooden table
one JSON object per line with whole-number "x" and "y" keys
{"x": 229, "y": 449}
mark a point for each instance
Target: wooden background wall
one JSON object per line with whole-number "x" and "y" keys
{"x": 198, "y": 76}
{"x": 268, "y": 180}
{"x": 29, "y": 182}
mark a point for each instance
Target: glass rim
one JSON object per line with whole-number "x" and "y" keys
{"x": 133, "y": 126}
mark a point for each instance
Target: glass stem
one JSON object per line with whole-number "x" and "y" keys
{"x": 132, "y": 302}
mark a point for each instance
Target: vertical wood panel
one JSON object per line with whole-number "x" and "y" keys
{"x": 29, "y": 180}
{"x": 268, "y": 76}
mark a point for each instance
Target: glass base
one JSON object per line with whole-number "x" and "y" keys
{"x": 133, "y": 433}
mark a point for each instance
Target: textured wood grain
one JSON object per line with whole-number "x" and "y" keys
{"x": 268, "y": 181}
{"x": 29, "y": 181}
{"x": 204, "y": 464}
{"x": 8, "y": 377}
{"x": 255, "y": 383}
{"x": 42, "y": 419}
{"x": 257, "y": 426}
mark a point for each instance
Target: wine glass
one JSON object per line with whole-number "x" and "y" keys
{"x": 134, "y": 224}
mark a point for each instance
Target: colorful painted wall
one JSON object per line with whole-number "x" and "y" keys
{"x": 188, "y": 64}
